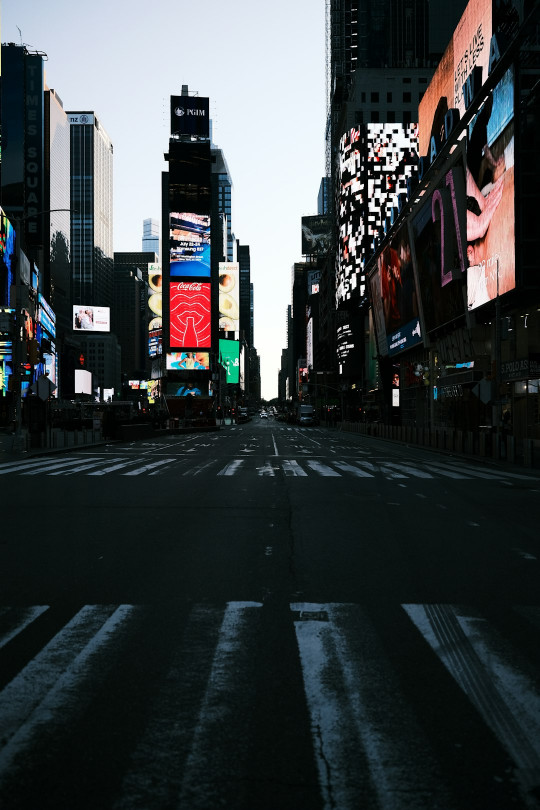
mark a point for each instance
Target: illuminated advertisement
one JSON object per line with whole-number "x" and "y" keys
{"x": 190, "y": 315}
{"x": 468, "y": 48}
{"x": 91, "y": 319}
{"x": 190, "y": 115}
{"x": 83, "y": 381}
{"x": 7, "y": 254}
{"x": 490, "y": 197}
{"x": 188, "y": 361}
{"x": 229, "y": 352}
{"x": 189, "y": 236}
{"x": 46, "y": 317}
{"x": 316, "y": 235}
{"x": 155, "y": 305}
{"x": 189, "y": 389}
{"x": 6, "y": 364}
{"x": 229, "y": 296}
{"x": 439, "y": 233}
{"x": 375, "y": 162}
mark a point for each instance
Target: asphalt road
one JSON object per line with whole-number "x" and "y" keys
{"x": 268, "y": 617}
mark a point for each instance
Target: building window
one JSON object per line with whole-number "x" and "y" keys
{"x": 389, "y": 97}
{"x": 359, "y": 117}
{"x": 374, "y": 117}
{"x": 406, "y": 97}
{"x": 407, "y": 81}
{"x": 391, "y": 117}
{"x": 363, "y": 97}
{"x": 374, "y": 98}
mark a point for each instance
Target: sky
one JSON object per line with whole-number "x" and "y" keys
{"x": 263, "y": 67}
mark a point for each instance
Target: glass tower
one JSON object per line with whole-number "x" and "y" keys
{"x": 92, "y": 210}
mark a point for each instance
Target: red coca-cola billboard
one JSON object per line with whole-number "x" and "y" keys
{"x": 190, "y": 315}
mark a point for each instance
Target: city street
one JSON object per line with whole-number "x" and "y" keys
{"x": 268, "y": 617}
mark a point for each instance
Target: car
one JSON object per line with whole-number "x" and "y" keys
{"x": 264, "y": 415}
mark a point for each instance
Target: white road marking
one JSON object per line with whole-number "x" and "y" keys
{"x": 275, "y": 445}
{"x": 58, "y": 464}
{"x": 267, "y": 469}
{"x": 354, "y": 470}
{"x": 231, "y": 467}
{"x": 483, "y": 664}
{"x": 25, "y": 617}
{"x": 88, "y": 465}
{"x": 150, "y": 466}
{"x": 200, "y": 468}
{"x": 292, "y": 467}
{"x": 409, "y": 470}
{"x": 323, "y": 469}
{"x": 53, "y": 679}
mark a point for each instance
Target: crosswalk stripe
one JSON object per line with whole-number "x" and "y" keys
{"x": 149, "y": 466}
{"x": 57, "y": 464}
{"x": 23, "y": 617}
{"x": 84, "y": 467}
{"x": 115, "y": 466}
{"x": 507, "y": 701}
{"x": 231, "y": 467}
{"x": 292, "y": 467}
{"x": 406, "y": 468}
{"x": 351, "y": 469}
{"x": 49, "y": 683}
{"x": 447, "y": 473}
{"x": 323, "y": 469}
{"x": 358, "y": 709}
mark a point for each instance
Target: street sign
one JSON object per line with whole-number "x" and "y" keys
{"x": 44, "y": 387}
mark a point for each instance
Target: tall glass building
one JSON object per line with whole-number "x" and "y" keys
{"x": 151, "y": 237}
{"x": 220, "y": 168}
{"x": 92, "y": 211}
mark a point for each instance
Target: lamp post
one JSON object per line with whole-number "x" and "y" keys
{"x": 18, "y": 337}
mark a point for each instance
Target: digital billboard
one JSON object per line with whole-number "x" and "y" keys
{"x": 155, "y": 305}
{"x": 189, "y": 245}
{"x": 190, "y": 115}
{"x": 91, "y": 319}
{"x": 375, "y": 162}
{"x": 316, "y": 235}
{"x": 188, "y": 361}
{"x": 490, "y": 197}
{"x": 229, "y": 351}
{"x": 189, "y": 389}
{"x": 394, "y": 295}
{"x": 468, "y": 48}
{"x": 439, "y": 242}
{"x": 7, "y": 258}
{"x": 190, "y": 315}
{"x": 229, "y": 296}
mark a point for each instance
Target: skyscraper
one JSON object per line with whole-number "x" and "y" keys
{"x": 92, "y": 210}
{"x": 150, "y": 238}
{"x": 224, "y": 190}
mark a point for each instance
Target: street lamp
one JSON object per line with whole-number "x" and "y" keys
{"x": 18, "y": 337}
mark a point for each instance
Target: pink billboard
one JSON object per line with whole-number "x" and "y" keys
{"x": 190, "y": 315}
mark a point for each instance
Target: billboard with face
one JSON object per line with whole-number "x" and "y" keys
{"x": 395, "y": 296}
{"x": 188, "y": 361}
{"x": 490, "y": 197}
{"x": 190, "y": 315}
{"x": 92, "y": 319}
{"x": 229, "y": 351}
{"x": 229, "y": 296}
{"x": 189, "y": 245}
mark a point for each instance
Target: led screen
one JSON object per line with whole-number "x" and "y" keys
{"x": 190, "y": 116}
{"x": 490, "y": 197}
{"x": 188, "y": 389}
{"x": 155, "y": 306}
{"x": 188, "y": 361}
{"x": 190, "y": 315}
{"x": 316, "y": 235}
{"x": 439, "y": 232}
{"x": 468, "y": 48}
{"x": 229, "y": 296}
{"x": 91, "y": 319}
{"x": 189, "y": 245}
{"x": 229, "y": 351}
{"x": 83, "y": 381}
{"x": 375, "y": 163}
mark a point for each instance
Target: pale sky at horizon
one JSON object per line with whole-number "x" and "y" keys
{"x": 263, "y": 68}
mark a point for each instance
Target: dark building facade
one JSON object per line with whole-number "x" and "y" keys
{"x": 92, "y": 210}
